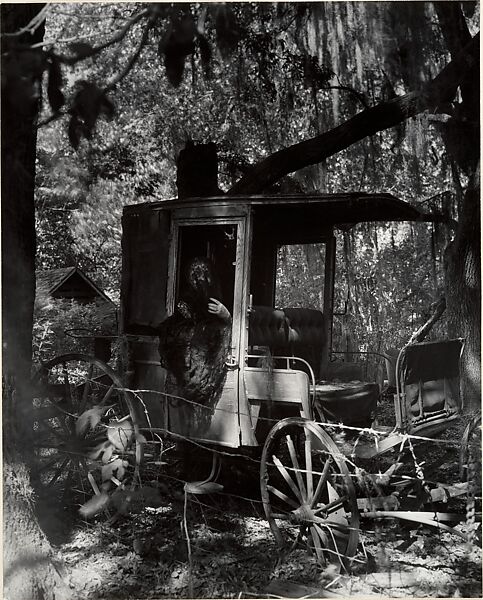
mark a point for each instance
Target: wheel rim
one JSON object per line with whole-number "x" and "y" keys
{"x": 307, "y": 492}
{"x": 86, "y": 432}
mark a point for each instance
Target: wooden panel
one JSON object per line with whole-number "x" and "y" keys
{"x": 147, "y": 374}
{"x": 145, "y": 262}
{"x": 219, "y": 424}
{"x": 212, "y": 212}
{"x": 279, "y": 385}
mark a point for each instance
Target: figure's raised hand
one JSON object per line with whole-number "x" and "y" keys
{"x": 215, "y": 307}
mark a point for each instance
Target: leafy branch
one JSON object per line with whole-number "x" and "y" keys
{"x": 86, "y": 50}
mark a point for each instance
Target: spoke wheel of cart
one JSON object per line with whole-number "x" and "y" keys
{"x": 308, "y": 494}
{"x": 87, "y": 445}
{"x": 470, "y": 471}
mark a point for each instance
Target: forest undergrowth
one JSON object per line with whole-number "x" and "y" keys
{"x": 221, "y": 546}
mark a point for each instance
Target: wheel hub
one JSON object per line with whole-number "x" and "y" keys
{"x": 303, "y": 514}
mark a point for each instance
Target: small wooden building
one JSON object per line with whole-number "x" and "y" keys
{"x": 70, "y": 283}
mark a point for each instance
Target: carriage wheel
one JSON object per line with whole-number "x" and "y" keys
{"x": 470, "y": 472}
{"x": 307, "y": 492}
{"x": 86, "y": 434}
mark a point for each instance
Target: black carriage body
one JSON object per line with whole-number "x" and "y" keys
{"x": 241, "y": 235}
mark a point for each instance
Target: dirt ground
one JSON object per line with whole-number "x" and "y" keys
{"x": 233, "y": 555}
{"x": 220, "y": 546}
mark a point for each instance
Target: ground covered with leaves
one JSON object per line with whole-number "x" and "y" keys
{"x": 234, "y": 555}
{"x": 221, "y": 546}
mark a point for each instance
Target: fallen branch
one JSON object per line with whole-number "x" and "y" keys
{"x": 439, "y": 307}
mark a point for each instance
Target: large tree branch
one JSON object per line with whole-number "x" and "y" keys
{"x": 457, "y": 35}
{"x": 366, "y": 123}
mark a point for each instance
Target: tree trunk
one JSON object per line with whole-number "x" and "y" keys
{"x": 463, "y": 291}
{"x": 463, "y": 256}
{"x": 28, "y": 569}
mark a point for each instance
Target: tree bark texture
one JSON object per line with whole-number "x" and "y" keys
{"x": 437, "y": 92}
{"x": 463, "y": 291}
{"x": 461, "y": 135}
{"x": 29, "y": 573}
{"x": 29, "y": 569}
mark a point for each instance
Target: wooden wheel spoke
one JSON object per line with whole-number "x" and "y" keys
{"x": 317, "y": 545}
{"x": 68, "y": 388}
{"x": 332, "y": 507}
{"x": 285, "y": 474}
{"x": 51, "y": 429}
{"x": 46, "y": 444}
{"x": 295, "y": 463}
{"x": 300, "y": 536}
{"x": 49, "y": 463}
{"x": 63, "y": 424}
{"x": 85, "y": 391}
{"x": 308, "y": 466}
{"x": 282, "y": 496}
{"x": 68, "y": 483}
{"x": 107, "y": 395}
{"x": 322, "y": 535}
{"x": 322, "y": 481}
{"x": 340, "y": 533}
{"x": 334, "y": 547}
{"x": 58, "y": 472}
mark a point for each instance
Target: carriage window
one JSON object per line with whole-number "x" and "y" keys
{"x": 300, "y": 276}
{"x": 215, "y": 242}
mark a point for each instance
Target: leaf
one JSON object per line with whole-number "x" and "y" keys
{"x": 107, "y": 455}
{"x": 88, "y": 103}
{"x": 203, "y": 487}
{"x": 95, "y": 505}
{"x": 81, "y": 49}
{"x": 120, "y": 433}
{"x": 115, "y": 468}
{"x": 89, "y": 419}
{"x": 107, "y": 107}
{"x": 96, "y": 451}
{"x": 176, "y": 45}
{"x": 134, "y": 501}
{"x": 54, "y": 92}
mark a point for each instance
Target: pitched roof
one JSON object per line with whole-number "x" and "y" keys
{"x": 51, "y": 279}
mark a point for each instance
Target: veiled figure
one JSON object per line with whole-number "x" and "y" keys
{"x": 194, "y": 341}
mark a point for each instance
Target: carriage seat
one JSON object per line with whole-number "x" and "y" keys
{"x": 307, "y": 335}
{"x": 297, "y": 332}
{"x": 429, "y": 379}
{"x": 351, "y": 403}
{"x": 268, "y": 327}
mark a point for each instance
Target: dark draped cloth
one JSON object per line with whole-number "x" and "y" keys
{"x": 193, "y": 343}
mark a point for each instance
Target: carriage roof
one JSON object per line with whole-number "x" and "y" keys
{"x": 352, "y": 207}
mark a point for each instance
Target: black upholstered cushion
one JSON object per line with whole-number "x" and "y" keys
{"x": 268, "y": 327}
{"x": 307, "y": 335}
{"x": 351, "y": 403}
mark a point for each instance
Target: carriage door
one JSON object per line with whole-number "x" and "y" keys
{"x": 222, "y": 242}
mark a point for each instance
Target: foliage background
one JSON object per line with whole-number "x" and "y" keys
{"x": 279, "y": 74}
